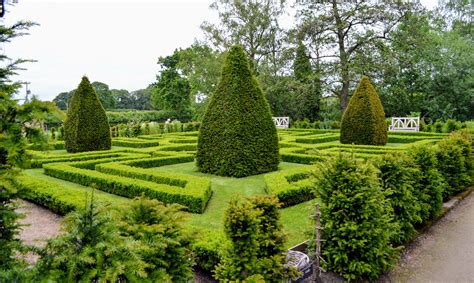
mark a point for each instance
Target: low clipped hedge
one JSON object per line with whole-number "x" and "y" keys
{"x": 319, "y": 139}
{"x": 292, "y": 155}
{"x": 183, "y": 147}
{"x": 183, "y": 140}
{"x": 56, "y": 197}
{"x": 410, "y": 138}
{"x": 45, "y": 159}
{"x": 194, "y": 198}
{"x": 135, "y": 143}
{"x": 290, "y": 186}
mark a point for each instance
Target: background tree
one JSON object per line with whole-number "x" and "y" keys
{"x": 86, "y": 127}
{"x": 105, "y": 95}
{"x": 172, "y": 91}
{"x": 345, "y": 30}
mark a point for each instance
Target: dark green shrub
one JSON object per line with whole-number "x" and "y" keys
{"x": 86, "y": 127}
{"x": 164, "y": 244}
{"x": 452, "y": 125}
{"x": 363, "y": 121}
{"x": 429, "y": 183}
{"x": 454, "y": 158}
{"x": 237, "y": 136}
{"x": 396, "y": 177}
{"x": 356, "y": 219}
{"x": 438, "y": 126}
{"x": 335, "y": 125}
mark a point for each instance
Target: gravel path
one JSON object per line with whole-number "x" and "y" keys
{"x": 40, "y": 225}
{"x": 443, "y": 253}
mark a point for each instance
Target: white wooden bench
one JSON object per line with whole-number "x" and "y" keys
{"x": 282, "y": 122}
{"x": 405, "y": 124}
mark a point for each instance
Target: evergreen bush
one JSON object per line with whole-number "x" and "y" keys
{"x": 396, "y": 177}
{"x": 454, "y": 162}
{"x": 363, "y": 121}
{"x": 429, "y": 183}
{"x": 86, "y": 127}
{"x": 237, "y": 136}
{"x": 356, "y": 219}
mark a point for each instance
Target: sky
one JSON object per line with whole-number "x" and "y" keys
{"x": 116, "y": 42}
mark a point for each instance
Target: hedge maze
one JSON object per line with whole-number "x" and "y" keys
{"x": 132, "y": 168}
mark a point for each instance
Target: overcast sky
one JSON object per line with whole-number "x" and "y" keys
{"x": 117, "y": 42}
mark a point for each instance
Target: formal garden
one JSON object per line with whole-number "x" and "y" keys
{"x": 154, "y": 188}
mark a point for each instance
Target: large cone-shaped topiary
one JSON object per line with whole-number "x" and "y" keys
{"x": 86, "y": 127}
{"x": 237, "y": 136}
{"x": 363, "y": 121}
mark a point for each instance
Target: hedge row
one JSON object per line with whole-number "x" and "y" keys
{"x": 193, "y": 197}
{"x": 183, "y": 147}
{"x": 410, "y": 138}
{"x": 91, "y": 164}
{"x": 290, "y": 186}
{"x": 55, "y": 145}
{"x": 135, "y": 143}
{"x": 57, "y": 198}
{"x": 183, "y": 141}
{"x": 38, "y": 162}
{"x": 320, "y": 139}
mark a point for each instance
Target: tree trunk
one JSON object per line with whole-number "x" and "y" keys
{"x": 343, "y": 57}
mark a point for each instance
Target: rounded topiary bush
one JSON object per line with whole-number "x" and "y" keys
{"x": 86, "y": 127}
{"x": 237, "y": 136}
{"x": 363, "y": 121}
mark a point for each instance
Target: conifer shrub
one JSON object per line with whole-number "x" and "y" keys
{"x": 454, "y": 162}
{"x": 363, "y": 121}
{"x": 86, "y": 127}
{"x": 429, "y": 183}
{"x": 356, "y": 219}
{"x": 396, "y": 177}
{"x": 237, "y": 136}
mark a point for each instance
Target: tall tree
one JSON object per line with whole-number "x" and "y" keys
{"x": 105, "y": 95}
{"x": 346, "y": 29}
{"x": 252, "y": 24}
{"x": 172, "y": 90}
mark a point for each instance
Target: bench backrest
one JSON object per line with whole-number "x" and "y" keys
{"x": 281, "y": 122}
{"x": 405, "y": 124}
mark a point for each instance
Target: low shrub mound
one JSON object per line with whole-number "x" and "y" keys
{"x": 237, "y": 137}
{"x": 363, "y": 121}
{"x": 86, "y": 127}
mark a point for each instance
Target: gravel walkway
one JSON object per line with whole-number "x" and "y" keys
{"x": 443, "y": 253}
{"x": 40, "y": 225}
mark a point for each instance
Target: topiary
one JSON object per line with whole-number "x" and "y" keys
{"x": 237, "y": 136}
{"x": 86, "y": 127}
{"x": 363, "y": 121}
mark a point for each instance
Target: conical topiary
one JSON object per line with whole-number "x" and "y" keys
{"x": 363, "y": 121}
{"x": 237, "y": 136}
{"x": 86, "y": 127}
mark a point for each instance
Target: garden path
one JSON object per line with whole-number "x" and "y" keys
{"x": 443, "y": 253}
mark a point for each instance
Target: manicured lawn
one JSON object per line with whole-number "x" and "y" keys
{"x": 295, "y": 219}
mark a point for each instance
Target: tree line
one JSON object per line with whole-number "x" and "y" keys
{"x": 419, "y": 60}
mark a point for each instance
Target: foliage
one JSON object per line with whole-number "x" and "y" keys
{"x": 363, "y": 121}
{"x": 256, "y": 241}
{"x": 172, "y": 91}
{"x": 105, "y": 95}
{"x": 290, "y": 186}
{"x": 429, "y": 183}
{"x": 454, "y": 162}
{"x": 158, "y": 227}
{"x": 237, "y": 136}
{"x": 396, "y": 180}
{"x": 86, "y": 127}
{"x": 92, "y": 249}
{"x": 356, "y": 219}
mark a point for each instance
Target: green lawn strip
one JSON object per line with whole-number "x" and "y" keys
{"x": 58, "y": 195}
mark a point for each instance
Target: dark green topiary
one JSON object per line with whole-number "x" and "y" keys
{"x": 363, "y": 121}
{"x": 237, "y": 136}
{"x": 86, "y": 126}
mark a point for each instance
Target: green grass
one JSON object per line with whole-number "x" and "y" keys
{"x": 294, "y": 219}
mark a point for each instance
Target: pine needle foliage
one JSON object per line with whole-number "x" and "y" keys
{"x": 86, "y": 126}
{"x": 396, "y": 177}
{"x": 167, "y": 249}
{"x": 363, "y": 121}
{"x": 91, "y": 250}
{"x": 237, "y": 137}
{"x": 356, "y": 219}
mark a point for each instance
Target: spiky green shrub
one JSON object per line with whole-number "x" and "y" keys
{"x": 363, "y": 121}
{"x": 86, "y": 127}
{"x": 454, "y": 162}
{"x": 429, "y": 183}
{"x": 355, "y": 216}
{"x": 396, "y": 177}
{"x": 237, "y": 136}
